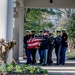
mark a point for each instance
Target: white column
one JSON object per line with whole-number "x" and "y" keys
{"x": 3, "y": 18}
{"x": 9, "y": 35}
{"x": 16, "y": 33}
{"x": 16, "y": 37}
{"x": 21, "y": 28}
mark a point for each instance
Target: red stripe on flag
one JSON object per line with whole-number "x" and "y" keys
{"x": 33, "y": 43}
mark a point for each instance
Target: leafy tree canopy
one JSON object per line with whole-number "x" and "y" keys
{"x": 70, "y": 26}
{"x": 33, "y": 18}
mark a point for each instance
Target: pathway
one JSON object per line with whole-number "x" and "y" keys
{"x": 67, "y": 69}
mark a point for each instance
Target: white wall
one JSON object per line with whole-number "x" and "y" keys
{"x": 3, "y": 18}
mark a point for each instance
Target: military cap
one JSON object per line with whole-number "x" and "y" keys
{"x": 48, "y": 31}
{"x": 33, "y": 31}
{"x": 58, "y": 31}
{"x": 40, "y": 30}
{"x": 27, "y": 30}
{"x": 63, "y": 29}
{"x": 45, "y": 31}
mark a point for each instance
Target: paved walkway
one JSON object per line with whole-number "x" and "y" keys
{"x": 67, "y": 69}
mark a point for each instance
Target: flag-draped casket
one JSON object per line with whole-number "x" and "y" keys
{"x": 34, "y": 43}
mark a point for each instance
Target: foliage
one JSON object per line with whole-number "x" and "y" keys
{"x": 70, "y": 26}
{"x": 34, "y": 18}
{"x": 47, "y": 26}
{"x": 19, "y": 68}
{"x": 32, "y": 25}
{"x": 32, "y": 14}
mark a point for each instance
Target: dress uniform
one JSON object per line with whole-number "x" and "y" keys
{"x": 40, "y": 36}
{"x": 28, "y": 52}
{"x": 33, "y": 51}
{"x": 64, "y": 46}
{"x": 44, "y": 47}
{"x": 50, "y": 48}
{"x": 58, "y": 45}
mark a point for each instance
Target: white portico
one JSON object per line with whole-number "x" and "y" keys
{"x": 12, "y": 19}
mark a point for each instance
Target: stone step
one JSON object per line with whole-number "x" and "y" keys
{"x": 54, "y": 71}
{"x": 60, "y": 69}
{"x": 60, "y": 73}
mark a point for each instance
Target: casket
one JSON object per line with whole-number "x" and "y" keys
{"x": 33, "y": 43}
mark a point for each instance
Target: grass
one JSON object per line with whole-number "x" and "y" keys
{"x": 71, "y": 54}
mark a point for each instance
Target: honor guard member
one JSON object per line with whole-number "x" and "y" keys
{"x": 64, "y": 46}
{"x": 44, "y": 47}
{"x": 40, "y": 33}
{"x": 58, "y": 45}
{"x": 26, "y": 38}
{"x": 33, "y": 32}
{"x": 51, "y": 40}
{"x": 40, "y": 52}
{"x": 47, "y": 33}
{"x": 33, "y": 51}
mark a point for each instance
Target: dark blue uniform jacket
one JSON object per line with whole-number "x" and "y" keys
{"x": 64, "y": 40}
{"x": 58, "y": 41}
{"x": 44, "y": 43}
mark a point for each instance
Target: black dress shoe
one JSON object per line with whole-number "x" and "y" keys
{"x": 57, "y": 64}
{"x": 43, "y": 64}
{"x": 33, "y": 63}
{"x": 27, "y": 63}
{"x": 49, "y": 64}
{"x": 62, "y": 64}
{"x": 40, "y": 63}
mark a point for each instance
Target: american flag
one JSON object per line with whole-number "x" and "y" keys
{"x": 34, "y": 42}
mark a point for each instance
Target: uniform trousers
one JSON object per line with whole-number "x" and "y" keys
{"x": 57, "y": 51}
{"x": 49, "y": 54}
{"x": 33, "y": 54}
{"x": 43, "y": 53}
{"x": 28, "y": 56}
{"x": 63, "y": 54}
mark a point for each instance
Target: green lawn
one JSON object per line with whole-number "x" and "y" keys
{"x": 71, "y": 54}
